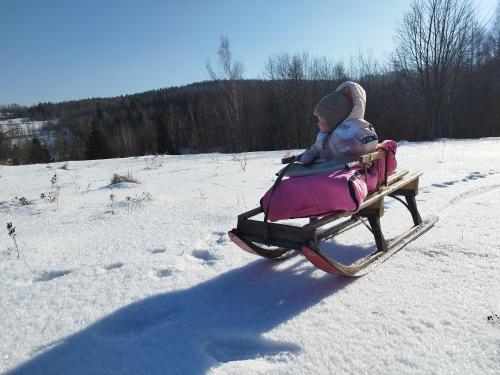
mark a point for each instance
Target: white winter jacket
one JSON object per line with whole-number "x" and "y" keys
{"x": 351, "y": 138}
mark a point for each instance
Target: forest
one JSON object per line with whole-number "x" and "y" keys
{"x": 442, "y": 80}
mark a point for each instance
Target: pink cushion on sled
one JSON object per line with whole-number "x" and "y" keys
{"x": 317, "y": 195}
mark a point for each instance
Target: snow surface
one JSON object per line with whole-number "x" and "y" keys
{"x": 23, "y": 128}
{"x": 22, "y": 124}
{"x": 152, "y": 285}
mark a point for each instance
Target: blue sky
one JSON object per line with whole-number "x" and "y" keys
{"x": 57, "y": 50}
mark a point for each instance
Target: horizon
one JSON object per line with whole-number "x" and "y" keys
{"x": 69, "y": 52}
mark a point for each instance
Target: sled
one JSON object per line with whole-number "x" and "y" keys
{"x": 275, "y": 240}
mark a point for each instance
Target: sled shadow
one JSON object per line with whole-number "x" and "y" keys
{"x": 192, "y": 330}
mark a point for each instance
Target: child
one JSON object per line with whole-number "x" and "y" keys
{"x": 343, "y": 131}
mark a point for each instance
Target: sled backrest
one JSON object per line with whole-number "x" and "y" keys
{"x": 372, "y": 156}
{"x": 368, "y": 159}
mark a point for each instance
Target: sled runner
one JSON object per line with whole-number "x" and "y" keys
{"x": 274, "y": 240}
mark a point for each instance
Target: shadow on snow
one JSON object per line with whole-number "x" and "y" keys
{"x": 189, "y": 331}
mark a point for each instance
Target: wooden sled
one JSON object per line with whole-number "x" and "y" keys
{"x": 273, "y": 240}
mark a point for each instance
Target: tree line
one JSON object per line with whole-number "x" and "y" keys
{"x": 443, "y": 80}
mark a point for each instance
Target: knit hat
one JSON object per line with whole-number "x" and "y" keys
{"x": 334, "y": 108}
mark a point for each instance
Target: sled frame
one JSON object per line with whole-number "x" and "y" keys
{"x": 273, "y": 240}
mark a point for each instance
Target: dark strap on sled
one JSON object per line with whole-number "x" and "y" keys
{"x": 352, "y": 192}
{"x": 387, "y": 150}
{"x": 273, "y": 189}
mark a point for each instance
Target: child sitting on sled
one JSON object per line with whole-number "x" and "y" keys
{"x": 343, "y": 132}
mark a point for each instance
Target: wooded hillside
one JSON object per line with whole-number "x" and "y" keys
{"x": 443, "y": 80}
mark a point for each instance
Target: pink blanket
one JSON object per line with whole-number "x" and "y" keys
{"x": 317, "y": 195}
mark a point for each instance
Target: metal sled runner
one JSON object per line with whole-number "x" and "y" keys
{"x": 273, "y": 240}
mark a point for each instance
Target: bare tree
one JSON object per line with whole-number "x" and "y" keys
{"x": 230, "y": 79}
{"x": 495, "y": 32}
{"x": 434, "y": 41}
{"x": 363, "y": 64}
{"x": 292, "y": 93}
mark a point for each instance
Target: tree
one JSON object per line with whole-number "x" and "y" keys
{"x": 163, "y": 144}
{"x": 434, "y": 41}
{"x": 4, "y": 146}
{"x": 495, "y": 32}
{"x": 230, "y": 80}
{"x": 38, "y": 153}
{"x": 97, "y": 146}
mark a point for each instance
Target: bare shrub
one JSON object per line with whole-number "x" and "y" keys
{"x": 112, "y": 199}
{"x": 20, "y": 201}
{"x": 120, "y": 178}
{"x": 11, "y": 229}
{"x": 53, "y": 195}
{"x": 65, "y": 166}
{"x": 242, "y": 160}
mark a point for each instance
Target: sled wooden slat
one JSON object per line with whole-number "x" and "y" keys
{"x": 275, "y": 231}
{"x": 337, "y": 229}
{"x": 367, "y": 158}
{"x": 386, "y": 190}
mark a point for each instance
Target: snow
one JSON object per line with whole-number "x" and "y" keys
{"x": 22, "y": 129}
{"x": 24, "y": 125}
{"x": 151, "y": 284}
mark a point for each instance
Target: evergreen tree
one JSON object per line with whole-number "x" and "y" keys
{"x": 97, "y": 145}
{"x": 38, "y": 153}
{"x": 164, "y": 144}
{"x": 4, "y": 147}
{"x": 99, "y": 113}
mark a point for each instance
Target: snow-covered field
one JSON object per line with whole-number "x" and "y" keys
{"x": 152, "y": 285}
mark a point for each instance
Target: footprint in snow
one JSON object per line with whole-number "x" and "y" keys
{"x": 475, "y": 176}
{"x": 434, "y": 254}
{"x": 157, "y": 251}
{"x": 113, "y": 266}
{"x": 240, "y": 348}
{"x": 445, "y": 184}
{"x": 205, "y": 255}
{"x": 426, "y": 323}
{"x": 470, "y": 177}
{"x": 222, "y": 239}
{"x": 165, "y": 272}
{"x": 439, "y": 185}
{"x": 50, "y": 275}
{"x": 209, "y": 256}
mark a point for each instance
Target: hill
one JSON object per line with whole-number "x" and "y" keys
{"x": 147, "y": 281}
